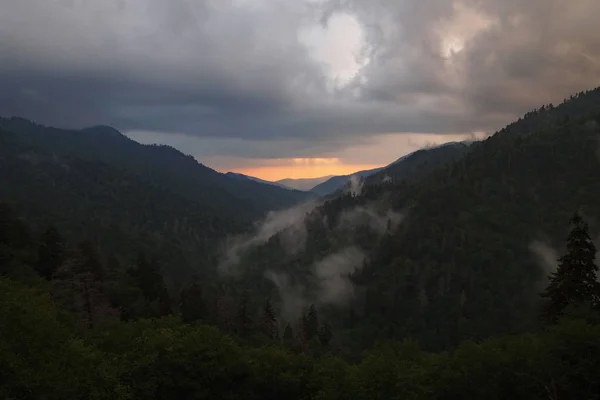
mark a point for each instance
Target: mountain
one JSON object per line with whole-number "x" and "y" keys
{"x": 237, "y": 175}
{"x": 453, "y": 259}
{"x": 305, "y": 184}
{"x": 418, "y": 164}
{"x": 410, "y": 166}
{"x": 458, "y": 251}
{"x": 113, "y": 208}
{"x": 337, "y": 182}
{"x": 64, "y": 338}
{"x": 162, "y": 166}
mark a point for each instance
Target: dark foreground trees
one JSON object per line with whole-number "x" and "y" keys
{"x": 45, "y": 353}
{"x": 164, "y": 358}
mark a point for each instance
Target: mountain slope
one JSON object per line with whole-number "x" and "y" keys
{"x": 162, "y": 166}
{"x": 412, "y": 166}
{"x": 337, "y": 182}
{"x": 303, "y": 183}
{"x": 237, "y": 175}
{"x": 90, "y": 200}
{"x": 418, "y": 164}
{"x": 460, "y": 265}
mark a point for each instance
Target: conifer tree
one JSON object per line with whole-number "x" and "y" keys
{"x": 79, "y": 287}
{"x": 192, "y": 305}
{"x": 243, "y": 319}
{"x": 311, "y": 323}
{"x": 269, "y": 321}
{"x": 288, "y": 336}
{"x": 151, "y": 282}
{"x": 51, "y": 253}
{"x": 574, "y": 283}
{"x": 325, "y": 334}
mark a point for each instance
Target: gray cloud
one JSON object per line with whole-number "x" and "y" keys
{"x": 333, "y": 276}
{"x": 547, "y": 259}
{"x": 289, "y": 224}
{"x": 237, "y": 68}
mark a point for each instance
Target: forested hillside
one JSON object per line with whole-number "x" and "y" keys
{"x": 115, "y": 209}
{"x": 73, "y": 325}
{"x": 419, "y": 164}
{"x": 117, "y": 287}
{"x": 336, "y": 183}
{"x": 410, "y": 167}
{"x": 464, "y": 262}
{"x": 161, "y": 166}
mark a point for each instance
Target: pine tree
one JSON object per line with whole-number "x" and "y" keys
{"x": 90, "y": 260}
{"x": 325, "y": 334}
{"x": 151, "y": 282}
{"x": 269, "y": 321}
{"x": 311, "y": 322}
{"x": 288, "y": 336}
{"x": 77, "y": 284}
{"x": 51, "y": 253}
{"x": 226, "y": 311}
{"x": 192, "y": 305}
{"x": 574, "y": 282}
{"x": 243, "y": 321}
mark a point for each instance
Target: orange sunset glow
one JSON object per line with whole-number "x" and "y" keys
{"x": 304, "y": 168}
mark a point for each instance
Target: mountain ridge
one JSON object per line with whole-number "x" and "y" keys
{"x": 462, "y": 263}
{"x": 305, "y": 184}
{"x": 160, "y": 165}
{"x": 336, "y": 183}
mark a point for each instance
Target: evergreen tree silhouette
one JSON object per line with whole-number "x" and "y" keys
{"x": 574, "y": 283}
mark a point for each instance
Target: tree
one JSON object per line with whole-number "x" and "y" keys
{"x": 288, "y": 336}
{"x": 77, "y": 284}
{"x": 311, "y": 322}
{"x": 90, "y": 260}
{"x": 325, "y": 334}
{"x": 243, "y": 320}
{"x": 151, "y": 282}
{"x": 574, "y": 282}
{"x": 192, "y": 304}
{"x": 269, "y": 321}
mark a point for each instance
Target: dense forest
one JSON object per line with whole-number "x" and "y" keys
{"x": 466, "y": 261}
{"x": 159, "y": 165}
{"x": 443, "y": 281}
{"x": 75, "y": 325}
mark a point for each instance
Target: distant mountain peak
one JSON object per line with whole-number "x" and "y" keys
{"x": 237, "y": 175}
{"x": 305, "y": 184}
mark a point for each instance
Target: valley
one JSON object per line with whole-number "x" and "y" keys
{"x": 434, "y": 264}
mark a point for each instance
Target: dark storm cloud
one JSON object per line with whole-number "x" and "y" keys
{"x": 236, "y": 69}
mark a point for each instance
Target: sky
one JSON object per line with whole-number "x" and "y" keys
{"x": 294, "y": 88}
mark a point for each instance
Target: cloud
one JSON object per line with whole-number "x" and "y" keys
{"x": 331, "y": 280}
{"x": 547, "y": 260}
{"x": 289, "y": 224}
{"x": 293, "y": 296}
{"x": 266, "y": 70}
{"x": 546, "y": 255}
{"x": 333, "y": 276}
{"x": 324, "y": 281}
{"x": 355, "y": 185}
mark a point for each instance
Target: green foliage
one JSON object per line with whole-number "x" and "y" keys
{"x": 44, "y": 355}
{"x": 40, "y": 356}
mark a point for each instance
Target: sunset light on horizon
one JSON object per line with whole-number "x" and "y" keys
{"x": 275, "y": 173}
